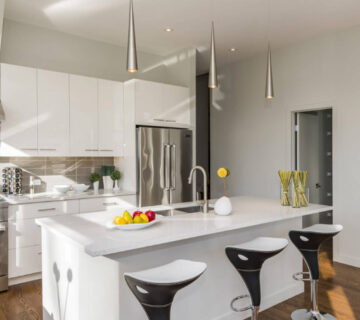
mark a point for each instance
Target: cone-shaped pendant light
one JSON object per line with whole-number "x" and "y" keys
{"x": 213, "y": 82}
{"x": 132, "y": 65}
{"x": 269, "y": 89}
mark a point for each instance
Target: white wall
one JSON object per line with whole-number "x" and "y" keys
{"x": 252, "y": 137}
{"x": 33, "y": 46}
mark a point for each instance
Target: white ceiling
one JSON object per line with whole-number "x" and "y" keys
{"x": 243, "y": 24}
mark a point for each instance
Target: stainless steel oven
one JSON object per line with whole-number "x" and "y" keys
{"x": 3, "y": 246}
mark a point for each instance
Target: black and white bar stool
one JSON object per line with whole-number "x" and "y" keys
{"x": 248, "y": 259}
{"x": 155, "y": 288}
{"x": 308, "y": 241}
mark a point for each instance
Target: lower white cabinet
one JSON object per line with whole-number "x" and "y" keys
{"x": 25, "y": 234}
{"x": 24, "y": 261}
{"x": 104, "y": 204}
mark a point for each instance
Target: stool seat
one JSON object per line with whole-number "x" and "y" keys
{"x": 262, "y": 244}
{"x": 175, "y": 272}
{"x": 330, "y": 229}
{"x": 308, "y": 242}
{"x": 155, "y": 288}
{"x": 248, "y": 258}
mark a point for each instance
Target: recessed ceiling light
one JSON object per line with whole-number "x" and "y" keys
{"x": 232, "y": 49}
{"x": 168, "y": 30}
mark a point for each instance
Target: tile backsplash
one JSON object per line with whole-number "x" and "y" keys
{"x": 56, "y": 170}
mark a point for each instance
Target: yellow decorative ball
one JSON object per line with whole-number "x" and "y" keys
{"x": 223, "y": 172}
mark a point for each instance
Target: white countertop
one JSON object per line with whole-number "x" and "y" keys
{"x": 52, "y": 196}
{"x": 88, "y": 230}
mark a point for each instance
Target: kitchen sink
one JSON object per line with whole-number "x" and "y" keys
{"x": 179, "y": 211}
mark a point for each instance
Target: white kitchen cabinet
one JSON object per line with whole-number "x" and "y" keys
{"x": 24, "y": 261}
{"x": 176, "y": 104}
{"x": 148, "y": 107}
{"x": 110, "y": 114}
{"x": 24, "y": 233}
{"x": 43, "y": 209}
{"x": 107, "y": 203}
{"x": 19, "y": 99}
{"x": 53, "y": 113}
{"x": 160, "y": 104}
{"x": 84, "y": 135}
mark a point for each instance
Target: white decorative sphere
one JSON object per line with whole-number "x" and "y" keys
{"x": 223, "y": 206}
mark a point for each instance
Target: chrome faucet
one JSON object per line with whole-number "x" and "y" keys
{"x": 206, "y": 204}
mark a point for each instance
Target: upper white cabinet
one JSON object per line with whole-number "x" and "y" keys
{"x": 53, "y": 113}
{"x": 19, "y": 100}
{"x": 111, "y": 110}
{"x": 176, "y": 104}
{"x": 83, "y": 116}
{"x": 160, "y": 104}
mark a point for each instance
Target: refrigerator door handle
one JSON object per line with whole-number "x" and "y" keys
{"x": 173, "y": 166}
{"x": 166, "y": 167}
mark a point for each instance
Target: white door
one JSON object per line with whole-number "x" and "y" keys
{"x": 175, "y": 104}
{"x": 18, "y": 97}
{"x": 110, "y": 109}
{"x": 53, "y": 113}
{"x": 148, "y": 102}
{"x": 83, "y": 116}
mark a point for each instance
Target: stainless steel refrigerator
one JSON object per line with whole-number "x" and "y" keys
{"x": 164, "y": 161}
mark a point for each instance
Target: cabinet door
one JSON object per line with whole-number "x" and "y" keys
{"x": 175, "y": 104}
{"x": 148, "y": 107}
{"x": 18, "y": 98}
{"x": 83, "y": 116}
{"x": 53, "y": 113}
{"x": 111, "y": 103}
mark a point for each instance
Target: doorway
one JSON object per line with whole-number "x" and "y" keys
{"x": 313, "y": 153}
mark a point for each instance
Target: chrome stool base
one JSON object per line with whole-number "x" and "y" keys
{"x": 304, "y": 314}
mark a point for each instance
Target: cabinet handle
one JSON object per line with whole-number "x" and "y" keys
{"x": 164, "y": 120}
{"x": 40, "y": 253}
{"x": 91, "y": 150}
{"x": 110, "y": 204}
{"x": 47, "y": 209}
{"x": 106, "y": 150}
{"x": 47, "y": 149}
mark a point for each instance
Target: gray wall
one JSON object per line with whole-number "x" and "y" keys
{"x": 37, "y": 47}
{"x": 252, "y": 137}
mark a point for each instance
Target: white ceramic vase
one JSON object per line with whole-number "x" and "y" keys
{"x": 96, "y": 186}
{"x": 116, "y": 186}
{"x": 223, "y": 206}
{"x": 108, "y": 183}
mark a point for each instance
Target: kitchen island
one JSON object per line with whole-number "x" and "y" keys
{"x": 83, "y": 262}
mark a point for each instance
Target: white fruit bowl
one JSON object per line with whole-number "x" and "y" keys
{"x": 78, "y": 188}
{"x": 61, "y": 188}
{"x": 133, "y": 226}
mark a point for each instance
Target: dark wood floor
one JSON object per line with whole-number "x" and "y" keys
{"x": 339, "y": 294}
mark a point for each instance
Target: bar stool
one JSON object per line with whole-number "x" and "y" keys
{"x": 155, "y": 288}
{"x": 308, "y": 241}
{"x": 248, "y": 259}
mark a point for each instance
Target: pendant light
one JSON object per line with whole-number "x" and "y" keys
{"x": 213, "y": 82}
{"x": 132, "y": 65}
{"x": 269, "y": 88}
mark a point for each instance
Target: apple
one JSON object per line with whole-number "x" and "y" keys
{"x": 151, "y": 215}
{"x": 137, "y": 213}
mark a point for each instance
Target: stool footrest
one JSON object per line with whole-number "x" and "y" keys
{"x": 250, "y": 307}
{"x": 296, "y": 276}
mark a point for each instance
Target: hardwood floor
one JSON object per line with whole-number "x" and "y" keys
{"x": 339, "y": 294}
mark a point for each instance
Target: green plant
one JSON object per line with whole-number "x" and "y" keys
{"x": 94, "y": 177}
{"x": 115, "y": 175}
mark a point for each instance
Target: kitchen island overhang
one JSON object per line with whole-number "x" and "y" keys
{"x": 96, "y": 258}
